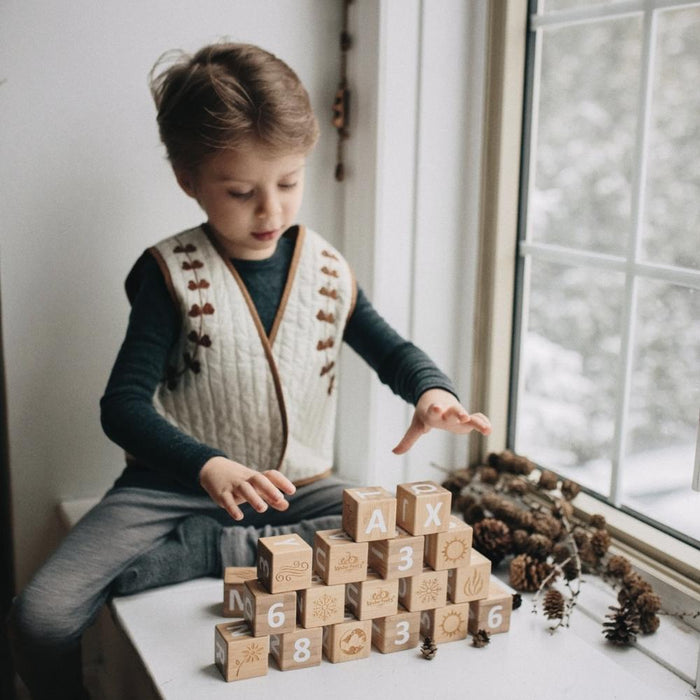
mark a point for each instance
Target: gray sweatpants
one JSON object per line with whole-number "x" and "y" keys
{"x": 50, "y": 615}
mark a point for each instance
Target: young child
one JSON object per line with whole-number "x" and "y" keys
{"x": 223, "y": 394}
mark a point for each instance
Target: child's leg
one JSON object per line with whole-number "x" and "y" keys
{"x": 316, "y": 506}
{"x": 48, "y": 618}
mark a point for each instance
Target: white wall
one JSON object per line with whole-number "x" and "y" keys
{"x": 85, "y": 188}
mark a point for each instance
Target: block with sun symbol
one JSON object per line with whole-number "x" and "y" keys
{"x": 349, "y": 640}
{"x": 268, "y": 613}
{"x": 321, "y": 604}
{"x": 423, "y": 507}
{"x": 338, "y": 558}
{"x": 234, "y": 585}
{"x": 446, "y": 624}
{"x": 238, "y": 654}
{"x": 284, "y": 563}
{"x": 491, "y": 613}
{"x": 397, "y": 557}
{"x": 373, "y": 597}
{"x": 298, "y": 649}
{"x": 369, "y": 513}
{"x": 423, "y": 591}
{"x": 470, "y": 582}
{"x": 396, "y": 632}
{"x": 449, "y": 549}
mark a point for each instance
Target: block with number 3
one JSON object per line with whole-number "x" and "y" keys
{"x": 396, "y": 632}
{"x": 397, "y": 557}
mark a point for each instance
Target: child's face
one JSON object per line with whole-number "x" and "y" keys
{"x": 250, "y": 198}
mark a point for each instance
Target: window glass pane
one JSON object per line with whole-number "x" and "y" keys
{"x": 568, "y": 370}
{"x": 554, "y": 5}
{"x": 588, "y": 95}
{"x": 672, "y": 218}
{"x": 663, "y": 408}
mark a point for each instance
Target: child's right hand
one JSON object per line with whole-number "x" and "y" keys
{"x": 229, "y": 483}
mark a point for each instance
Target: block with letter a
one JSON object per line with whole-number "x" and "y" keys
{"x": 237, "y": 653}
{"x": 369, "y": 513}
{"x": 423, "y": 507}
{"x": 234, "y": 586}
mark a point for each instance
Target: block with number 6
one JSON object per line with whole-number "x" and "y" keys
{"x": 491, "y": 613}
{"x": 284, "y": 563}
{"x": 297, "y": 649}
{"x": 269, "y": 613}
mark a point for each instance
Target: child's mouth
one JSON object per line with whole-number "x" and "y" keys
{"x": 264, "y": 235}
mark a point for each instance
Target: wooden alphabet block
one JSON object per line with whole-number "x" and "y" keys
{"x": 338, "y": 558}
{"x": 398, "y": 557}
{"x": 423, "y": 507}
{"x": 470, "y": 582}
{"x": 234, "y": 586}
{"x": 320, "y": 604}
{"x": 447, "y": 624}
{"x": 284, "y": 563}
{"x": 268, "y": 613}
{"x": 449, "y": 549}
{"x": 423, "y": 591}
{"x": 369, "y": 513}
{"x": 237, "y": 653}
{"x": 349, "y": 640}
{"x": 396, "y": 632}
{"x": 373, "y": 597}
{"x": 491, "y": 613}
{"x": 298, "y": 649}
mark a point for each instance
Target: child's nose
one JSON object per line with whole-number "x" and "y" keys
{"x": 269, "y": 205}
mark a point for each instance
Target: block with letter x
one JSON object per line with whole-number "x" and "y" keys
{"x": 423, "y": 507}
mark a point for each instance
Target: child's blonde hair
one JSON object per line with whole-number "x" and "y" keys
{"x": 227, "y": 94}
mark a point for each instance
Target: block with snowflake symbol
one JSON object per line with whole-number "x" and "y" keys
{"x": 423, "y": 507}
{"x": 470, "y": 582}
{"x": 373, "y": 597}
{"x": 349, "y": 640}
{"x": 298, "y": 649}
{"x": 396, "y": 632}
{"x": 321, "y": 604}
{"x": 449, "y": 549}
{"x": 423, "y": 591}
{"x": 446, "y": 624}
{"x": 397, "y": 557}
{"x": 237, "y": 653}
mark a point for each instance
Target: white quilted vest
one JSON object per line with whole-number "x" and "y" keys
{"x": 266, "y": 402}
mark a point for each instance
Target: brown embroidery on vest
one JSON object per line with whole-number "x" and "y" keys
{"x": 329, "y": 272}
{"x": 328, "y": 292}
{"x": 331, "y": 384}
{"x": 328, "y": 254}
{"x": 325, "y": 344}
{"x": 327, "y": 368}
{"x": 197, "y": 310}
{"x": 323, "y": 316}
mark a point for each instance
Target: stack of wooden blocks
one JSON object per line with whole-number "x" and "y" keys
{"x": 400, "y": 568}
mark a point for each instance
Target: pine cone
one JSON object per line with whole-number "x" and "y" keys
{"x": 581, "y": 537}
{"x": 457, "y": 480}
{"x": 554, "y": 605}
{"x": 570, "y": 489}
{"x": 488, "y": 475}
{"x": 428, "y": 648}
{"x": 589, "y": 559}
{"x": 520, "y": 538}
{"x": 480, "y": 639}
{"x": 463, "y": 502}
{"x": 517, "y": 600}
{"x": 539, "y": 546}
{"x": 548, "y": 480}
{"x": 527, "y": 574}
{"x": 634, "y": 585}
{"x": 546, "y": 524}
{"x": 492, "y": 538}
{"x": 508, "y": 461}
{"x": 516, "y": 486}
{"x": 648, "y": 603}
{"x": 597, "y": 522}
{"x": 622, "y": 625}
{"x": 571, "y": 570}
{"x": 649, "y": 623}
{"x": 600, "y": 542}
{"x": 493, "y": 502}
{"x": 562, "y": 509}
{"x": 618, "y": 566}
{"x": 561, "y": 552}
{"x": 474, "y": 514}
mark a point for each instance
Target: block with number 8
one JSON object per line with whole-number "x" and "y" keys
{"x": 269, "y": 613}
{"x": 297, "y": 649}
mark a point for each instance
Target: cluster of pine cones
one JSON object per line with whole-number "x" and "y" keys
{"x": 544, "y": 542}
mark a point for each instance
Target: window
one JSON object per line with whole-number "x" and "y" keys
{"x": 606, "y": 360}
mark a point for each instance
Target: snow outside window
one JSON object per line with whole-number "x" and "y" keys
{"x": 607, "y": 355}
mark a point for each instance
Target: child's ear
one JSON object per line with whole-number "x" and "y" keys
{"x": 186, "y": 180}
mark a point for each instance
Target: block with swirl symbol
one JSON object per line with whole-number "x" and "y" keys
{"x": 321, "y": 604}
{"x": 373, "y": 597}
{"x": 284, "y": 563}
{"x": 470, "y": 582}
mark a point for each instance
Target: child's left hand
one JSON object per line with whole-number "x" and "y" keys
{"x": 437, "y": 408}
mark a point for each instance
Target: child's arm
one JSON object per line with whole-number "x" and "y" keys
{"x": 438, "y": 408}
{"x": 229, "y": 484}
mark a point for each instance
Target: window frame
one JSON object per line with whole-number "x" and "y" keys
{"x": 498, "y": 305}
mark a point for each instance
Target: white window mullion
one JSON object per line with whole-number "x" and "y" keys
{"x": 637, "y": 222}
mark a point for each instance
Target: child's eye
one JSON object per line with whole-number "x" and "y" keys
{"x": 241, "y": 195}
{"x": 288, "y": 185}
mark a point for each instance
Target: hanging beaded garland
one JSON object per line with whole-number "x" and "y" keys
{"x": 341, "y": 103}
